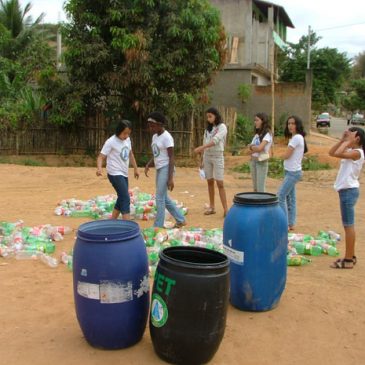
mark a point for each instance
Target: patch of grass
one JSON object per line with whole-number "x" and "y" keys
{"x": 30, "y": 162}
{"x": 276, "y": 168}
{"x": 4, "y": 160}
{"x": 311, "y": 163}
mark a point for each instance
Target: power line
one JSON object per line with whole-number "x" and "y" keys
{"x": 339, "y": 26}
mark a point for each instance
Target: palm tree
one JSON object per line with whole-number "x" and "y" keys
{"x": 19, "y": 25}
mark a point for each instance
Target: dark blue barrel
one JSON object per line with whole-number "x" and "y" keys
{"x": 189, "y": 304}
{"x": 111, "y": 287}
{"x": 255, "y": 238}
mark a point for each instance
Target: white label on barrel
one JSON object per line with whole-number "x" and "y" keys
{"x": 236, "y": 256}
{"x": 115, "y": 292}
{"x": 88, "y": 290}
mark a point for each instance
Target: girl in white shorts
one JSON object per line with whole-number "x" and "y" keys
{"x": 212, "y": 152}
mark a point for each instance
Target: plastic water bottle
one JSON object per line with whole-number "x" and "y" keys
{"x": 329, "y": 249}
{"x": 26, "y": 255}
{"x": 48, "y": 260}
{"x": 67, "y": 260}
{"x": 297, "y": 260}
{"x": 334, "y": 235}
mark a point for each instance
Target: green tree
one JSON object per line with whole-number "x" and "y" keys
{"x": 19, "y": 24}
{"x": 356, "y": 98}
{"x": 142, "y": 54}
{"x": 359, "y": 66}
{"x": 330, "y": 69}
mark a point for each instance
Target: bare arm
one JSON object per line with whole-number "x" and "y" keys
{"x": 147, "y": 167}
{"x": 134, "y": 164}
{"x": 289, "y": 151}
{"x": 340, "y": 149}
{"x": 99, "y": 164}
{"x": 258, "y": 148}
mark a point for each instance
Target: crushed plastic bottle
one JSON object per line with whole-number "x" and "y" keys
{"x": 26, "y": 255}
{"x": 66, "y": 259}
{"x": 48, "y": 260}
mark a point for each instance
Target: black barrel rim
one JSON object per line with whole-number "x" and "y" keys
{"x": 168, "y": 254}
{"x": 119, "y": 230}
{"x": 255, "y": 198}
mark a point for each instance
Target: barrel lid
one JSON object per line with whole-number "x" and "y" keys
{"x": 108, "y": 230}
{"x": 255, "y": 198}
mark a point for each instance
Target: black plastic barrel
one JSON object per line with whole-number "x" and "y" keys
{"x": 255, "y": 238}
{"x": 111, "y": 286}
{"x": 189, "y": 304}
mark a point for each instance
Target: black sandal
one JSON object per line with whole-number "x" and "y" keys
{"x": 343, "y": 264}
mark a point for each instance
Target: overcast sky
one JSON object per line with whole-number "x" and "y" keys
{"x": 341, "y": 24}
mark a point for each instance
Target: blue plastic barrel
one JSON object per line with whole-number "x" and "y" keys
{"x": 111, "y": 286}
{"x": 255, "y": 238}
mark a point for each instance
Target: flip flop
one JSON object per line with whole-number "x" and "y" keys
{"x": 209, "y": 211}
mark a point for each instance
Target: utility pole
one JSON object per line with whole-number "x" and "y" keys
{"x": 309, "y": 48}
{"x": 59, "y": 43}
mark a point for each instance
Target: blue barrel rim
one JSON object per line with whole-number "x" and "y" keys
{"x": 223, "y": 263}
{"x": 255, "y": 198}
{"x": 86, "y": 231}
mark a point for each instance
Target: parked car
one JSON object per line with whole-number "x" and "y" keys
{"x": 357, "y": 119}
{"x": 323, "y": 120}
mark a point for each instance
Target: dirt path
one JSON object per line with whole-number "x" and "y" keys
{"x": 320, "y": 318}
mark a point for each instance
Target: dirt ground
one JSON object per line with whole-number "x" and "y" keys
{"x": 320, "y": 318}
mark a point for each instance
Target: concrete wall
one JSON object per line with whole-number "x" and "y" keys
{"x": 224, "y": 90}
{"x": 236, "y": 16}
{"x": 290, "y": 98}
{"x": 254, "y": 37}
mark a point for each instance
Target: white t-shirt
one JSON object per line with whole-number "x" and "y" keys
{"x": 117, "y": 153}
{"x": 349, "y": 172}
{"x": 256, "y": 142}
{"x": 160, "y": 144}
{"x": 218, "y": 135}
{"x": 294, "y": 162}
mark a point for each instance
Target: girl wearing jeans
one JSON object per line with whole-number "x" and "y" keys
{"x": 259, "y": 149}
{"x": 292, "y": 157}
{"x": 351, "y": 151}
{"x": 117, "y": 151}
{"x": 163, "y": 159}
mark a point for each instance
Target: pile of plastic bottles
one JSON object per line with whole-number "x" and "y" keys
{"x": 143, "y": 206}
{"x": 304, "y": 244}
{"x": 21, "y": 242}
{"x": 157, "y": 239}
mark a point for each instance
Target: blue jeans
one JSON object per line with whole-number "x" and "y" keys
{"x": 259, "y": 170}
{"x": 162, "y": 199}
{"x": 348, "y": 199}
{"x": 120, "y": 184}
{"x": 287, "y": 195}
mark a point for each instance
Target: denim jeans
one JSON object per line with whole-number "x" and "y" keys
{"x": 162, "y": 199}
{"x": 259, "y": 171}
{"x": 120, "y": 184}
{"x": 287, "y": 195}
{"x": 348, "y": 199}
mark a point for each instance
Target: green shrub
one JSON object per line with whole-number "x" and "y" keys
{"x": 276, "y": 168}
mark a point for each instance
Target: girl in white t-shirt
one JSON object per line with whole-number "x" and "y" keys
{"x": 351, "y": 151}
{"x": 163, "y": 159}
{"x": 292, "y": 157}
{"x": 260, "y": 151}
{"x": 117, "y": 151}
